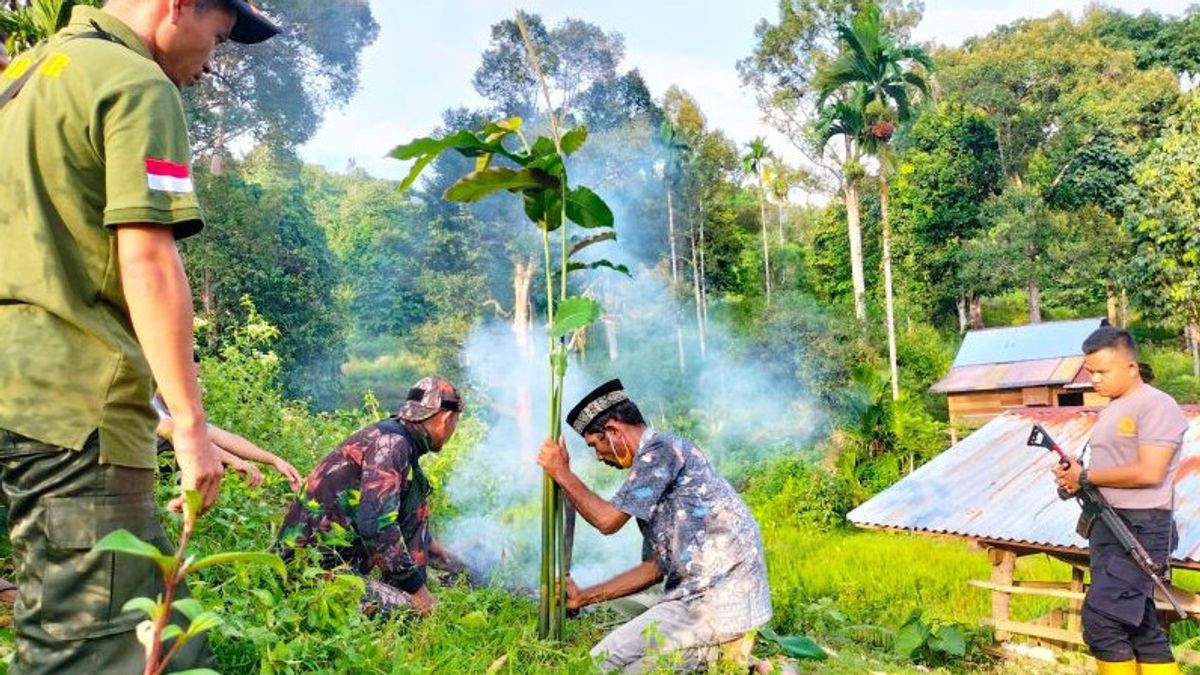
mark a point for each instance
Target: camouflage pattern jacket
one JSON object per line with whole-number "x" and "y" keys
{"x": 366, "y": 504}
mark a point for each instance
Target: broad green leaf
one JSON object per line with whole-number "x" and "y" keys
{"x": 597, "y": 264}
{"x": 544, "y": 208}
{"x": 494, "y": 131}
{"x": 235, "y": 557}
{"x": 433, "y": 146}
{"x": 573, "y": 140}
{"x": 418, "y": 147}
{"x": 193, "y": 501}
{"x": 574, "y": 313}
{"x": 203, "y": 622}
{"x": 513, "y": 123}
{"x": 483, "y": 161}
{"x": 417, "y": 167}
{"x": 145, "y": 605}
{"x": 551, "y": 164}
{"x": 911, "y": 637}
{"x": 170, "y": 633}
{"x": 479, "y": 184}
{"x": 124, "y": 541}
{"x": 351, "y": 582}
{"x": 197, "y": 671}
{"x": 949, "y": 640}
{"x": 541, "y": 147}
{"x": 189, "y": 607}
{"x": 587, "y": 208}
{"x": 801, "y": 647}
{"x": 583, "y": 242}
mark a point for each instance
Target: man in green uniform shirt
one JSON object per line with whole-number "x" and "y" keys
{"x": 95, "y": 188}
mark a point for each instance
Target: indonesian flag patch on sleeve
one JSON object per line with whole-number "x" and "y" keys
{"x": 165, "y": 176}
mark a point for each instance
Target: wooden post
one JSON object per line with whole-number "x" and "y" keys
{"x": 1004, "y": 563}
{"x": 1073, "y": 619}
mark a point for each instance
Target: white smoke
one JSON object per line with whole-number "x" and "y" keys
{"x": 740, "y": 408}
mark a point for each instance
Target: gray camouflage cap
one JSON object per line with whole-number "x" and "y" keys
{"x": 428, "y": 397}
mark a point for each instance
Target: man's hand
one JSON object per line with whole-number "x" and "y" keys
{"x": 254, "y": 477}
{"x": 422, "y": 601}
{"x": 200, "y": 466}
{"x": 553, "y": 458}
{"x": 574, "y": 597}
{"x": 293, "y": 476}
{"x": 1067, "y": 477}
{"x": 443, "y": 559}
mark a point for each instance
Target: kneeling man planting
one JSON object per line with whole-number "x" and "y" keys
{"x": 698, "y": 535}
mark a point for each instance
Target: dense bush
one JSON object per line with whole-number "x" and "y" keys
{"x": 1173, "y": 373}
{"x": 792, "y": 492}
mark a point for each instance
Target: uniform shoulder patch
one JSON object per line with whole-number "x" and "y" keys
{"x": 1127, "y": 426}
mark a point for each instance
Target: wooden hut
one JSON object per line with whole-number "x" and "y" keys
{"x": 1000, "y": 369}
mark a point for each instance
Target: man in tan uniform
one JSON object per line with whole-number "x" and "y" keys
{"x": 95, "y": 188}
{"x": 1134, "y": 452}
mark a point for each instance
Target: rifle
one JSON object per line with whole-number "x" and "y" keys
{"x": 1093, "y": 503}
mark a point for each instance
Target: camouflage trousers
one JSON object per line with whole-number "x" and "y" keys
{"x": 68, "y": 616}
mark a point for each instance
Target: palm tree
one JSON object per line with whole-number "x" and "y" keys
{"x": 844, "y": 117}
{"x": 875, "y": 64}
{"x": 780, "y": 179}
{"x": 755, "y": 162}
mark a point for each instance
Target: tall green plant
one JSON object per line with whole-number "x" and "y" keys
{"x": 755, "y": 160}
{"x": 844, "y": 117}
{"x": 162, "y": 639}
{"x": 537, "y": 172}
{"x": 875, "y": 62}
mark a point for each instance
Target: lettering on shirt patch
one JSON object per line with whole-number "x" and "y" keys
{"x": 54, "y": 65}
{"x": 164, "y": 176}
{"x": 17, "y": 68}
{"x": 1127, "y": 427}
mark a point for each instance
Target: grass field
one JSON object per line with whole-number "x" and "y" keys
{"x": 847, "y": 589}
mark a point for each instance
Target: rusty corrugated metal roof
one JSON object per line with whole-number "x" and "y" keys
{"x": 991, "y": 376}
{"x": 992, "y": 486}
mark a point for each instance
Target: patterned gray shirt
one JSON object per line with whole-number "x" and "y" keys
{"x": 699, "y": 532}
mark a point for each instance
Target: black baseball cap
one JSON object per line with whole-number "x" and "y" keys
{"x": 251, "y": 26}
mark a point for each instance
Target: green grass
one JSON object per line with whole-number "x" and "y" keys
{"x": 879, "y": 578}
{"x": 848, "y": 589}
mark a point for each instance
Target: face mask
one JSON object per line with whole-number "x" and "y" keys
{"x": 624, "y": 459}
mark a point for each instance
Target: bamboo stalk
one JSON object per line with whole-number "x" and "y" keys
{"x": 554, "y": 570}
{"x": 560, "y": 549}
{"x": 544, "y": 595}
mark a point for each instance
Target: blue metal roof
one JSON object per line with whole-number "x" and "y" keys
{"x": 992, "y": 486}
{"x": 1048, "y": 340}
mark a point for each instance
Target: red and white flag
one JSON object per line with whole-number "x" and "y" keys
{"x": 165, "y": 176}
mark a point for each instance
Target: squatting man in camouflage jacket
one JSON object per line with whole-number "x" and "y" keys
{"x": 366, "y": 505}
{"x": 698, "y": 536}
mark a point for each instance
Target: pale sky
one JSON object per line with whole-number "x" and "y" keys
{"x": 428, "y": 50}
